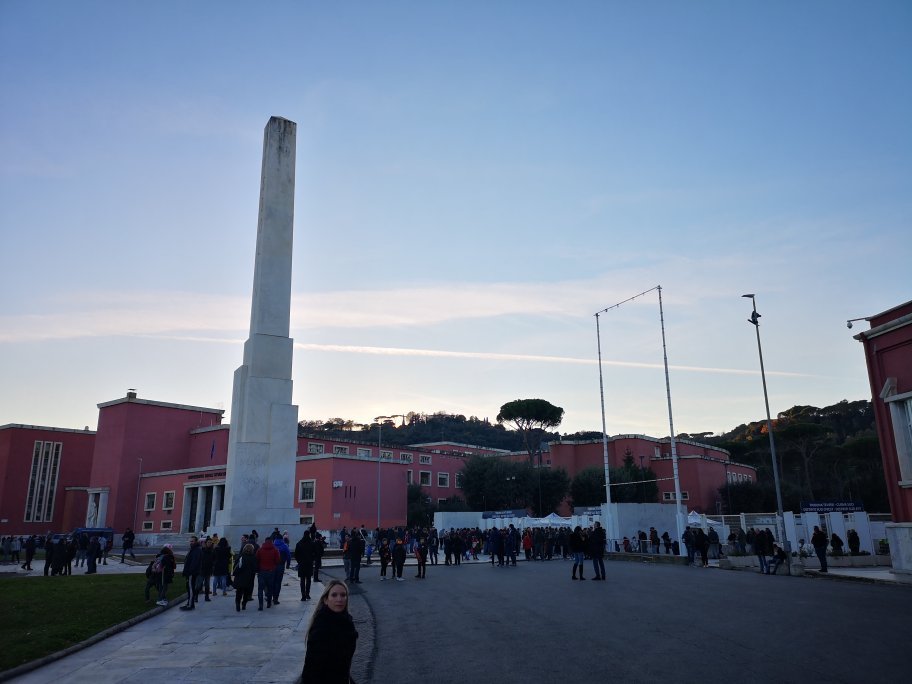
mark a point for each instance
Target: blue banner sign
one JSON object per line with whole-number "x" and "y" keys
{"x": 587, "y": 510}
{"x": 518, "y": 513}
{"x": 831, "y": 506}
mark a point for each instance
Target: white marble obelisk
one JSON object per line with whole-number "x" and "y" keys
{"x": 259, "y": 487}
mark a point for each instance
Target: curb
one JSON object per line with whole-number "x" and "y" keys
{"x": 25, "y": 668}
{"x": 856, "y": 578}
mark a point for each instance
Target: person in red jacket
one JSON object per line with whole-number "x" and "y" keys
{"x": 268, "y": 558}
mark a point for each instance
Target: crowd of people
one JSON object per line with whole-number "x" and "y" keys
{"x": 61, "y": 552}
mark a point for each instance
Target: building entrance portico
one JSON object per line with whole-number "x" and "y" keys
{"x": 200, "y": 505}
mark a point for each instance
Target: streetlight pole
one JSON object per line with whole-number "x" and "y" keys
{"x": 754, "y": 320}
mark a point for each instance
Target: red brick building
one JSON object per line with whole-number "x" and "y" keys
{"x": 888, "y": 353}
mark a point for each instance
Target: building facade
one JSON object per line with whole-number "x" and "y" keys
{"x": 160, "y": 468}
{"x": 888, "y": 354}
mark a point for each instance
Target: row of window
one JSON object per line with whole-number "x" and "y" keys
{"x": 167, "y": 501}
{"x": 365, "y": 452}
{"x": 739, "y": 477}
{"x": 163, "y": 526}
{"x": 670, "y": 496}
{"x": 307, "y": 489}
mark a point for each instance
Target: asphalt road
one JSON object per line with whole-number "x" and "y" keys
{"x": 647, "y": 623}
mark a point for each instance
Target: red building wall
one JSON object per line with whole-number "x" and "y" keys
{"x": 17, "y": 443}
{"x": 135, "y": 433}
{"x": 889, "y": 355}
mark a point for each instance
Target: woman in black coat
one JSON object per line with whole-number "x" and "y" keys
{"x": 220, "y": 561}
{"x": 331, "y": 639}
{"x": 245, "y": 572}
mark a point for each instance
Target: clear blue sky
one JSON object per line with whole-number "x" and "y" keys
{"x": 474, "y": 181}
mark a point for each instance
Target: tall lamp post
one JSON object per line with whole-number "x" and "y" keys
{"x": 379, "y": 420}
{"x": 754, "y": 320}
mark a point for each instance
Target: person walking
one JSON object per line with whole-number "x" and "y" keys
{"x": 245, "y": 571}
{"x": 279, "y": 572}
{"x": 819, "y": 542}
{"x": 267, "y": 559}
{"x": 578, "y": 549}
{"x": 398, "y": 560}
{"x": 385, "y": 557}
{"x": 128, "y": 539}
{"x": 193, "y": 563}
{"x": 221, "y": 562}
{"x": 319, "y": 545}
{"x": 30, "y": 546}
{"x": 421, "y": 555}
{"x": 331, "y": 638}
{"x": 207, "y": 562}
{"x": 304, "y": 557}
{"x": 597, "y": 543}
{"x": 356, "y": 551}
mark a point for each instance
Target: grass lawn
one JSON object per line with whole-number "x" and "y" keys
{"x": 42, "y": 615}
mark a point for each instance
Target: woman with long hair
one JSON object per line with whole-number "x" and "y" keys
{"x": 331, "y": 638}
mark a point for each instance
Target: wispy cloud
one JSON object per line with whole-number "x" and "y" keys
{"x": 533, "y": 358}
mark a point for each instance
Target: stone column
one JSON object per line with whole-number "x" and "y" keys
{"x": 262, "y": 445}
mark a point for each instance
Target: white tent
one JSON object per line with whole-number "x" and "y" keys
{"x": 695, "y": 518}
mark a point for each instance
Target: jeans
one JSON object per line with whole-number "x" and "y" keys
{"x": 598, "y": 564}
{"x": 355, "y": 572}
{"x": 277, "y": 576}
{"x": 764, "y": 563}
{"x": 264, "y": 584}
{"x": 220, "y": 582}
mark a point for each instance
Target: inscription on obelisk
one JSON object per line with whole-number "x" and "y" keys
{"x": 259, "y": 486}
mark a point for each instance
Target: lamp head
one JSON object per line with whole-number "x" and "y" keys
{"x": 849, "y": 324}
{"x": 749, "y": 296}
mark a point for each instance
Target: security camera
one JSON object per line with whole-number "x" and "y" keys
{"x": 849, "y": 324}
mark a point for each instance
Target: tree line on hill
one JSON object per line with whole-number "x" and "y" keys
{"x": 829, "y": 453}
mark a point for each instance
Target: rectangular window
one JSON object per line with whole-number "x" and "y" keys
{"x": 364, "y": 452}
{"x": 340, "y": 450}
{"x": 424, "y": 459}
{"x": 405, "y": 457}
{"x": 424, "y": 478}
{"x": 440, "y": 502}
{"x": 307, "y": 520}
{"x": 409, "y": 476}
{"x": 386, "y": 455}
{"x": 42, "y": 488}
{"x": 165, "y": 525}
{"x": 458, "y": 480}
{"x": 307, "y": 490}
{"x": 168, "y": 501}
{"x": 314, "y": 448}
{"x": 147, "y": 526}
{"x": 685, "y": 496}
{"x": 443, "y": 479}
{"x": 668, "y": 496}
{"x": 150, "y": 502}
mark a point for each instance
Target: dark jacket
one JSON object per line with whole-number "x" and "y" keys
{"x": 304, "y": 555}
{"x": 245, "y": 571}
{"x": 330, "y": 646}
{"x": 207, "y": 558}
{"x": 221, "y": 558}
{"x": 193, "y": 561}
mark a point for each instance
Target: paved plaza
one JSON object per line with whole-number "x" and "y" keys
{"x": 648, "y": 622}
